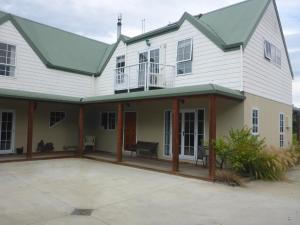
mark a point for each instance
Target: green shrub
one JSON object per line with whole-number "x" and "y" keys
{"x": 249, "y": 156}
{"x": 271, "y": 164}
{"x": 244, "y": 148}
{"x": 223, "y": 152}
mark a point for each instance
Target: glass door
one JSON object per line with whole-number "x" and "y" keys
{"x": 143, "y": 60}
{"x": 188, "y": 133}
{"x": 6, "y": 135}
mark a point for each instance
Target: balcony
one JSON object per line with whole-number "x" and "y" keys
{"x": 143, "y": 77}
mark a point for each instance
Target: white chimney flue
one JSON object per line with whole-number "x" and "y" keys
{"x": 119, "y": 26}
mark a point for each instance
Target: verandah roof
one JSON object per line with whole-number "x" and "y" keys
{"x": 205, "y": 89}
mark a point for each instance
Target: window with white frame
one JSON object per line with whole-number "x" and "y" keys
{"x": 281, "y": 130}
{"x": 108, "y": 120}
{"x": 7, "y": 59}
{"x": 120, "y": 68}
{"x": 272, "y": 53}
{"x": 255, "y": 121}
{"x": 56, "y": 117}
{"x": 167, "y": 134}
{"x": 184, "y": 56}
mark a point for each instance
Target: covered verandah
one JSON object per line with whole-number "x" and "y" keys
{"x": 176, "y": 97}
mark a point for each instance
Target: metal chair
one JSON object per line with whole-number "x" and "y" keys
{"x": 202, "y": 154}
{"x": 90, "y": 141}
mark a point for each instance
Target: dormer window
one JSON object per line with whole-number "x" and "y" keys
{"x": 7, "y": 59}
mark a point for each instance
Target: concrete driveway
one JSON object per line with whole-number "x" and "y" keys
{"x": 47, "y": 192}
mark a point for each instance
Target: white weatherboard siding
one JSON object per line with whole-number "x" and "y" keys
{"x": 210, "y": 63}
{"x": 262, "y": 77}
{"x": 104, "y": 84}
{"x": 33, "y": 75}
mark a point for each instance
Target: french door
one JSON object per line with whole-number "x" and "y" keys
{"x": 7, "y": 131}
{"x": 148, "y": 63}
{"x": 187, "y": 140}
{"x": 191, "y": 133}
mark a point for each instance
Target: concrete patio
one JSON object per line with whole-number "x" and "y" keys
{"x": 45, "y": 192}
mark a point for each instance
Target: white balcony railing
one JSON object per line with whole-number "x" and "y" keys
{"x": 144, "y": 75}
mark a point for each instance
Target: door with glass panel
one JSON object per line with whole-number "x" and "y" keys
{"x": 7, "y": 131}
{"x": 191, "y": 133}
{"x": 154, "y": 68}
{"x": 143, "y": 60}
{"x": 188, "y": 133}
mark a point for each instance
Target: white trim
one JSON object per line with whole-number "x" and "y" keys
{"x": 164, "y": 133}
{"x": 242, "y": 68}
{"x": 195, "y": 111}
{"x": 258, "y": 118}
{"x": 13, "y": 135}
{"x": 16, "y": 51}
{"x": 190, "y": 59}
{"x": 283, "y": 129}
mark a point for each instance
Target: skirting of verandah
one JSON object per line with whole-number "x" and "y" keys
{"x": 211, "y": 92}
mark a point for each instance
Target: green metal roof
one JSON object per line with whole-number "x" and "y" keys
{"x": 152, "y": 94}
{"x": 59, "y": 49}
{"x": 227, "y": 27}
{"x": 28, "y": 95}
{"x": 167, "y": 93}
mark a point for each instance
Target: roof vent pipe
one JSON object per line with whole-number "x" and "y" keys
{"x": 119, "y": 26}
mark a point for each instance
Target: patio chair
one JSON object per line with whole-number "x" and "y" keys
{"x": 202, "y": 154}
{"x": 90, "y": 141}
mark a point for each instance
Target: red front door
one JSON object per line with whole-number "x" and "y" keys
{"x": 130, "y": 130}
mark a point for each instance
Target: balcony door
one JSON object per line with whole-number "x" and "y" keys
{"x": 148, "y": 66}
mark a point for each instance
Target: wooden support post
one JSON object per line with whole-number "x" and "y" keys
{"x": 81, "y": 128}
{"x": 175, "y": 135}
{"x": 120, "y": 133}
{"x": 212, "y": 136}
{"x": 31, "y": 106}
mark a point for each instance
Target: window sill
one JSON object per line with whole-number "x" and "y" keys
{"x": 184, "y": 74}
{"x": 8, "y": 77}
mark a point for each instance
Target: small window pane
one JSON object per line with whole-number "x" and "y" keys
{"x": 108, "y": 120}
{"x": 255, "y": 121}
{"x": 56, "y": 117}
{"x": 7, "y": 59}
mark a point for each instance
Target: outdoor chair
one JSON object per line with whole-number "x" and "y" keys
{"x": 202, "y": 154}
{"x": 90, "y": 141}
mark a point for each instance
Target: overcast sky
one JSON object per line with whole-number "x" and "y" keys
{"x": 97, "y": 18}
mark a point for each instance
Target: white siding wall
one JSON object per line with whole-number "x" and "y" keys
{"x": 33, "y": 75}
{"x": 261, "y": 77}
{"x": 105, "y": 83}
{"x": 210, "y": 63}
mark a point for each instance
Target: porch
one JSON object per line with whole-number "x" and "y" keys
{"x": 159, "y": 165}
{"x": 180, "y": 120}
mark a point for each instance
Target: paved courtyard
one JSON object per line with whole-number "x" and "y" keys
{"x": 47, "y": 192}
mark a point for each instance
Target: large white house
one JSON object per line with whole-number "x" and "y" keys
{"x": 180, "y": 86}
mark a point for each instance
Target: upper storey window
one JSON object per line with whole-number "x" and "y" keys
{"x": 7, "y": 59}
{"x": 184, "y": 56}
{"x": 272, "y": 53}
